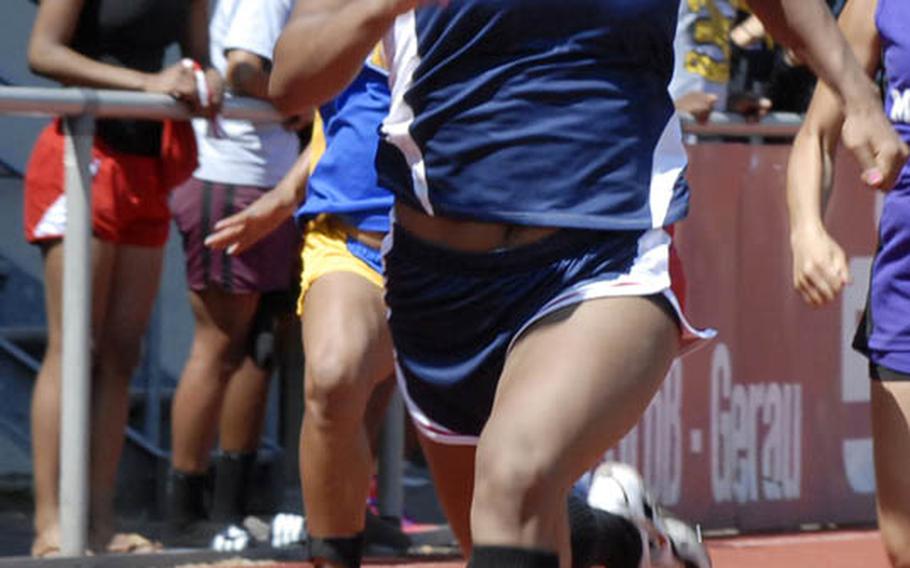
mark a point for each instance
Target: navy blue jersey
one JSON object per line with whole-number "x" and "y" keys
{"x": 538, "y": 112}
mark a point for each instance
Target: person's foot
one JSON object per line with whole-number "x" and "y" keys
{"x": 131, "y": 543}
{"x": 287, "y": 529}
{"x": 232, "y": 538}
{"x": 668, "y": 542}
{"x": 46, "y": 543}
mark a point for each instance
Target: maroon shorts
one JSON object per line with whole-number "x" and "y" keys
{"x": 269, "y": 266}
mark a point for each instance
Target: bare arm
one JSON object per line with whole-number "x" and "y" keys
{"x": 806, "y": 26}
{"x": 247, "y": 74}
{"x": 819, "y": 264}
{"x": 50, "y": 54}
{"x": 241, "y": 231}
{"x": 323, "y": 47}
{"x": 195, "y": 45}
{"x": 195, "y": 41}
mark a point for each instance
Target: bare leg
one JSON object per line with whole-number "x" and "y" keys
{"x": 219, "y": 347}
{"x": 135, "y": 276}
{"x": 374, "y": 416}
{"x": 890, "y": 417}
{"x": 244, "y": 407}
{"x": 348, "y": 350}
{"x": 452, "y": 468}
{"x": 45, "y": 410}
{"x": 603, "y": 361}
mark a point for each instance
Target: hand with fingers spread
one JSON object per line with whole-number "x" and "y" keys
{"x": 820, "y": 268}
{"x": 240, "y": 231}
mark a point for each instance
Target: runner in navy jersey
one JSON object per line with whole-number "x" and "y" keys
{"x": 537, "y": 167}
{"x": 878, "y": 32}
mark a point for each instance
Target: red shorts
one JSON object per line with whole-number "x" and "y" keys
{"x": 129, "y": 193}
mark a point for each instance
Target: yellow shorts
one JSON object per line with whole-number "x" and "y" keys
{"x": 326, "y": 249}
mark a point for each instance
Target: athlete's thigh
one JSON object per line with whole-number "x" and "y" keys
{"x": 890, "y": 419}
{"x": 344, "y": 317}
{"x": 222, "y": 313}
{"x": 452, "y": 467}
{"x": 135, "y": 278}
{"x": 577, "y": 381}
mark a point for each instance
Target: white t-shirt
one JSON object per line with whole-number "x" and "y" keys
{"x": 702, "y": 48}
{"x": 247, "y": 154}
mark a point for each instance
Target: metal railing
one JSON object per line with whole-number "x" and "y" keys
{"x": 79, "y": 107}
{"x": 725, "y": 125}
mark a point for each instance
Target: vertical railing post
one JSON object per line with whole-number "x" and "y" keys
{"x": 390, "y": 493}
{"x": 75, "y": 380}
{"x": 152, "y": 371}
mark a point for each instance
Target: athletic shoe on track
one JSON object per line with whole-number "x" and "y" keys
{"x": 618, "y": 488}
{"x": 232, "y": 538}
{"x": 687, "y": 545}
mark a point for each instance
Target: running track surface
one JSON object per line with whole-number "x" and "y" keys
{"x": 839, "y": 549}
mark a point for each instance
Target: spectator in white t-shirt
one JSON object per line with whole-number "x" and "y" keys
{"x": 234, "y": 298}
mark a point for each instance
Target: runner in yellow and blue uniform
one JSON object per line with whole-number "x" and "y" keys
{"x": 345, "y": 215}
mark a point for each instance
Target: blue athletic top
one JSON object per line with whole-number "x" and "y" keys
{"x": 346, "y": 131}
{"x": 539, "y": 112}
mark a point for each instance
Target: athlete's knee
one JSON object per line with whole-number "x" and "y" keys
{"x": 231, "y": 359}
{"x": 512, "y": 479}
{"x": 217, "y": 354}
{"x": 117, "y": 356}
{"x": 336, "y": 392}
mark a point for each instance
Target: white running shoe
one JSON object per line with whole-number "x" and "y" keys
{"x": 687, "y": 544}
{"x": 618, "y": 488}
{"x": 287, "y": 530}
{"x": 231, "y": 539}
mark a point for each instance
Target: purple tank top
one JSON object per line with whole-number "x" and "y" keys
{"x": 892, "y": 19}
{"x": 887, "y": 333}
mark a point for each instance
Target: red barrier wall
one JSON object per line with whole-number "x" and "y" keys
{"x": 766, "y": 427}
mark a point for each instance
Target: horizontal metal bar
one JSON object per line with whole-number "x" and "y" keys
{"x": 71, "y": 101}
{"x": 774, "y": 125}
{"x": 19, "y": 355}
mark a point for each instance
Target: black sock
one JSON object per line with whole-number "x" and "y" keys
{"x": 347, "y": 551}
{"x": 232, "y": 479}
{"x": 512, "y": 557}
{"x": 185, "y": 497}
{"x": 600, "y": 538}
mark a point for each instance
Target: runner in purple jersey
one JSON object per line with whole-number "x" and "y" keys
{"x": 879, "y": 34}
